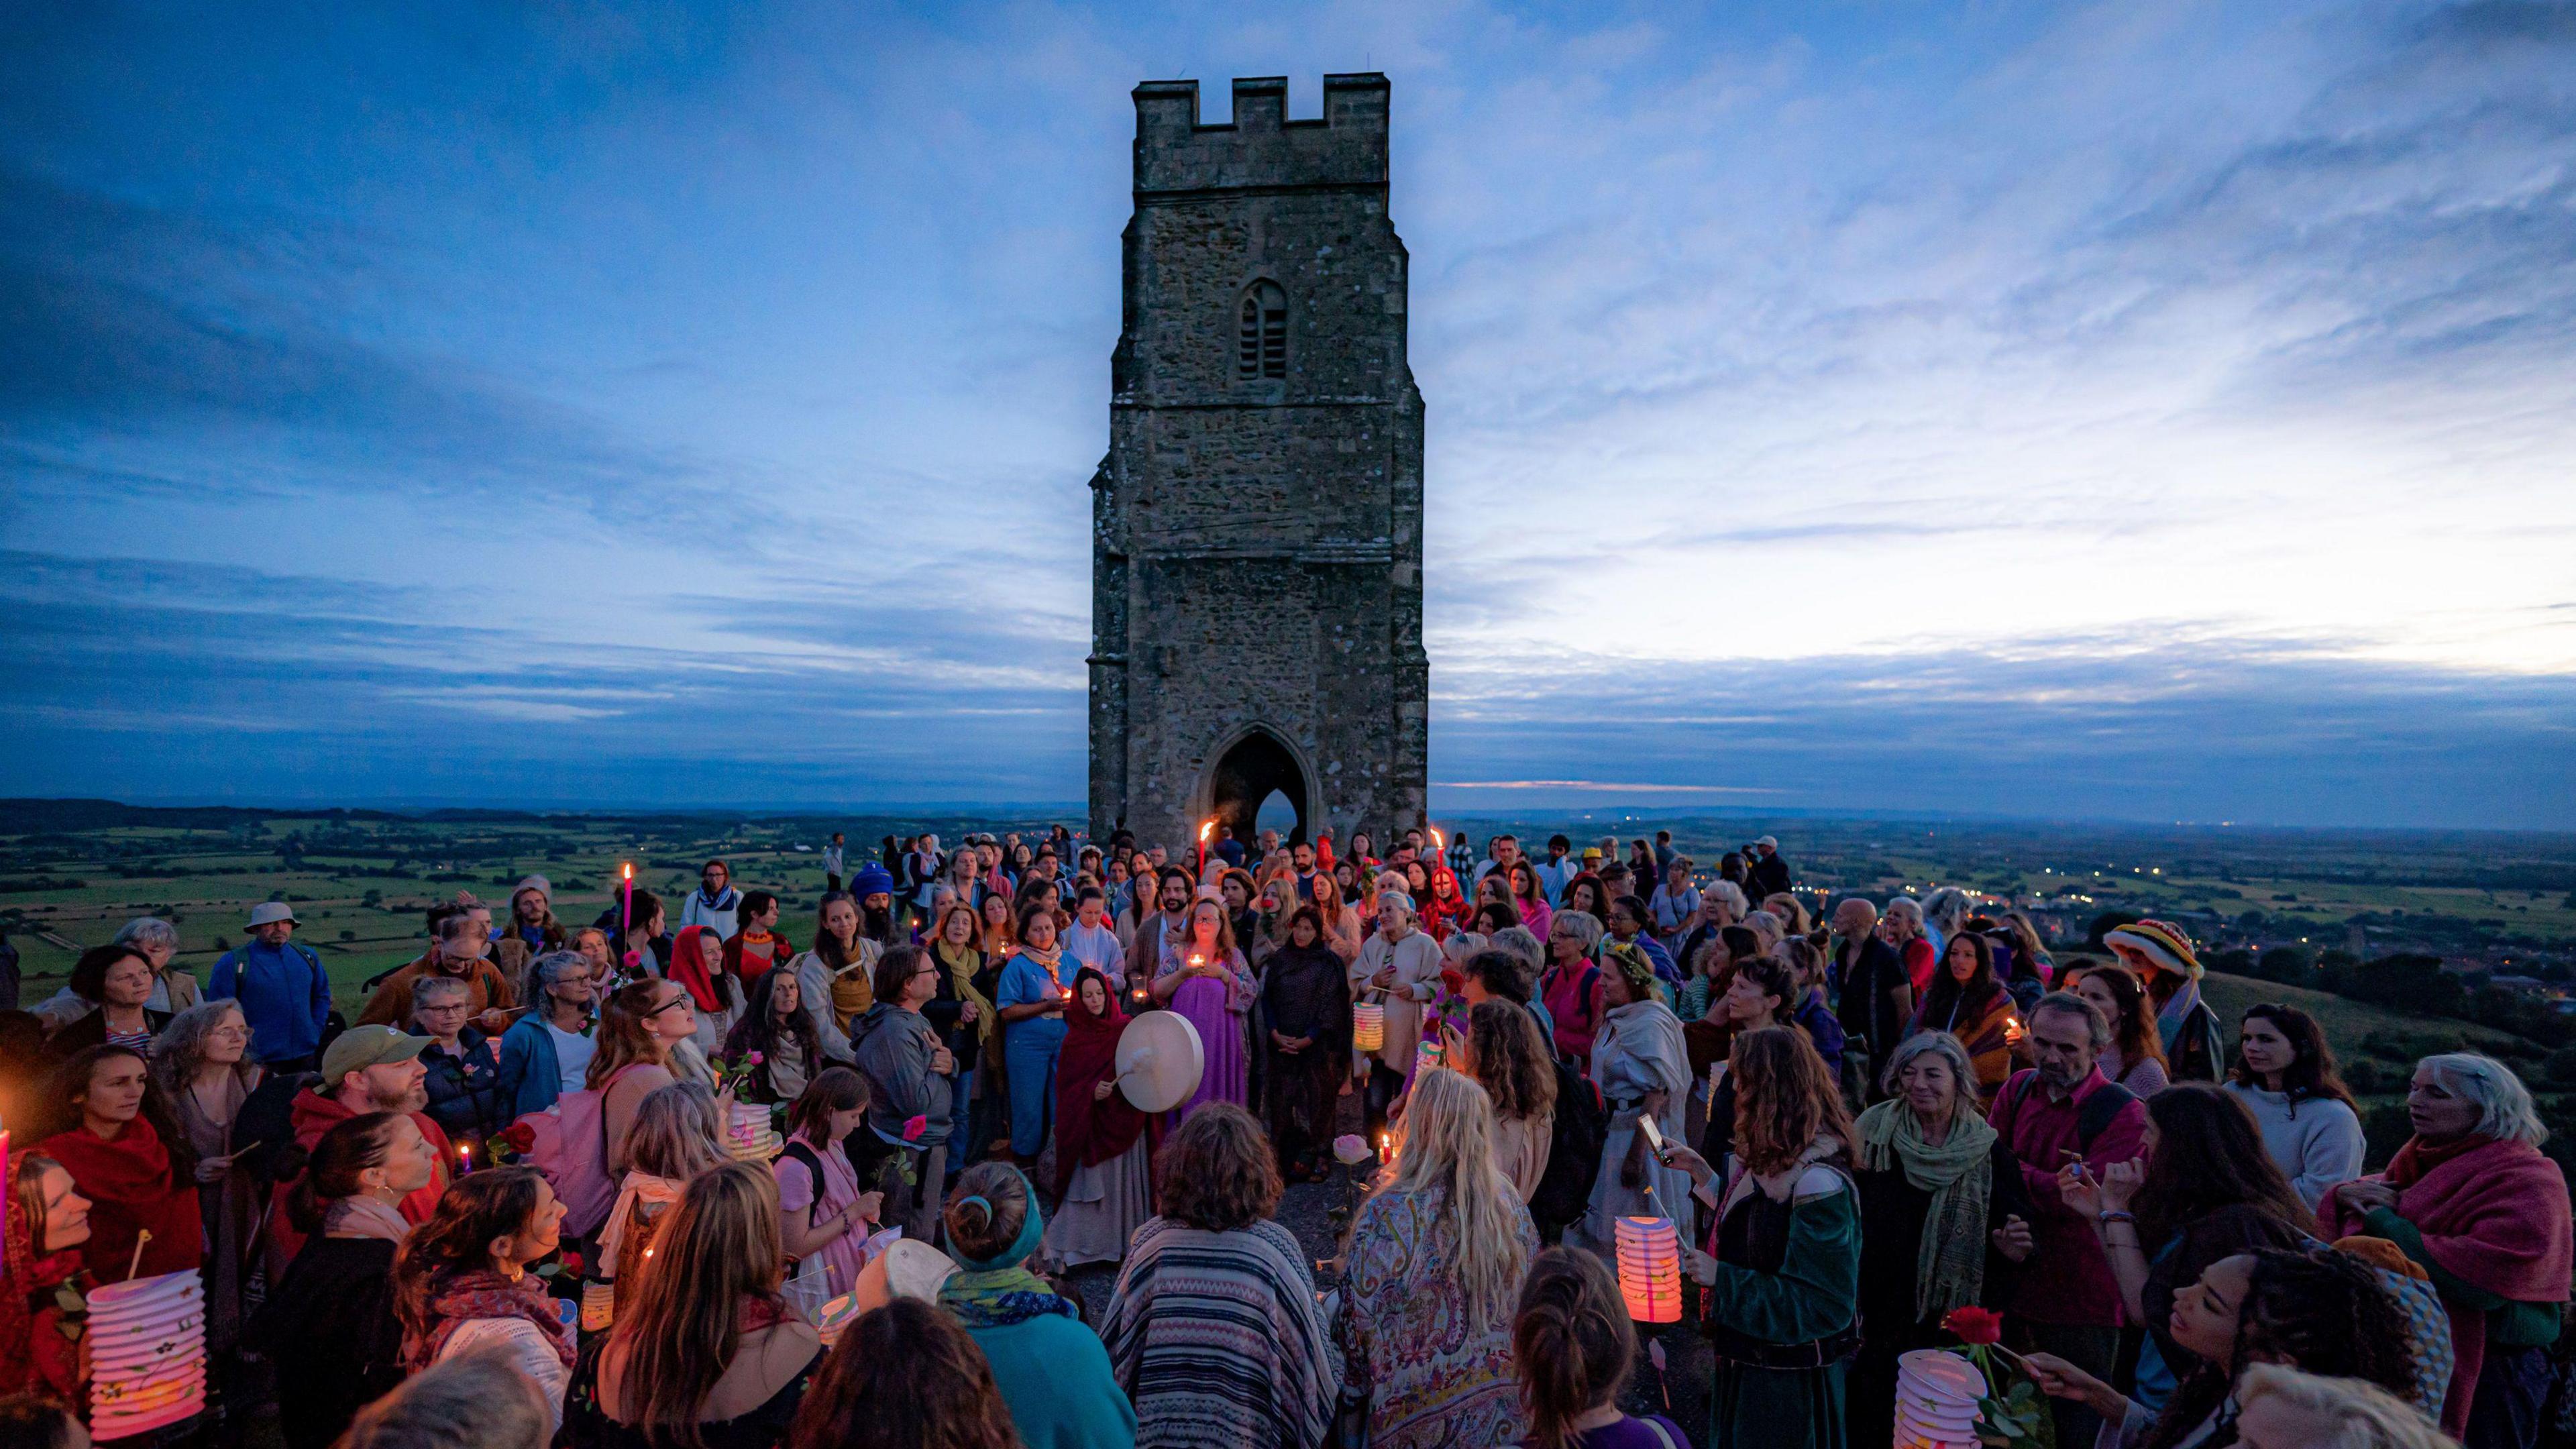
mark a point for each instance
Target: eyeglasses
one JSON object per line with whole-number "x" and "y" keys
{"x": 676, "y": 1003}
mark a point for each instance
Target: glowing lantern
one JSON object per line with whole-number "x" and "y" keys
{"x": 1650, "y": 1269}
{"x": 1368, "y": 1026}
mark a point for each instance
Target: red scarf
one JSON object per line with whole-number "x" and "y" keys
{"x": 1088, "y": 1132}
{"x": 2415, "y": 1159}
{"x": 34, "y": 1355}
{"x": 457, "y": 1299}
{"x": 689, "y": 968}
{"x": 131, "y": 1188}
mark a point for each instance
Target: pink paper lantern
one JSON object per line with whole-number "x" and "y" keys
{"x": 1650, "y": 1269}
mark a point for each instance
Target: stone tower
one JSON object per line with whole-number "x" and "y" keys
{"x": 1256, "y": 607}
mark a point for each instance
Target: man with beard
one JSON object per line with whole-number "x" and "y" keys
{"x": 365, "y": 1069}
{"x": 459, "y": 949}
{"x": 2063, "y": 1112}
{"x": 533, "y": 929}
{"x": 1145, "y": 951}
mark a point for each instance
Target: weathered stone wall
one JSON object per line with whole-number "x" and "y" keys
{"x": 1257, "y": 543}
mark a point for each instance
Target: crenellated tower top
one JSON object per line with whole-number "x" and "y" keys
{"x": 1260, "y": 147}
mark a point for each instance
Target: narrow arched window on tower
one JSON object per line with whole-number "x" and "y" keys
{"x": 1262, "y": 343}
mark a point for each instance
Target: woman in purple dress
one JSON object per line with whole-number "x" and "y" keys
{"x": 1203, "y": 977}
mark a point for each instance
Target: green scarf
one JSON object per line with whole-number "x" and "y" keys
{"x": 1000, "y": 1297}
{"x": 1950, "y": 1264}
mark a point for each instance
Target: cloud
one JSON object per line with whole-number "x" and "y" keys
{"x": 2086, "y": 408}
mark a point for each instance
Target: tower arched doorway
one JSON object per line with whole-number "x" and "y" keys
{"x": 1248, "y": 772}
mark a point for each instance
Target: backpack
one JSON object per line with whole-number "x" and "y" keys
{"x": 1574, "y": 1143}
{"x": 571, "y": 1149}
{"x": 2092, "y": 1119}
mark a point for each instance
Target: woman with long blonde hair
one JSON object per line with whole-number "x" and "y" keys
{"x": 708, "y": 1354}
{"x": 1431, "y": 1277}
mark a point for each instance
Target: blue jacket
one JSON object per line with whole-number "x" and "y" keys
{"x": 464, "y": 1092}
{"x": 285, "y": 997}
{"x": 1055, "y": 1378}
{"x": 531, "y": 1076}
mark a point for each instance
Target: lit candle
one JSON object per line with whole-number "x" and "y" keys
{"x": 465, "y": 1156}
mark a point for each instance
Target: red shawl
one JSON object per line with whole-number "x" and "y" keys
{"x": 34, "y": 1355}
{"x": 689, "y": 968}
{"x": 1087, "y": 1132}
{"x": 1439, "y": 916}
{"x": 2497, "y": 1219}
{"x": 130, "y": 1187}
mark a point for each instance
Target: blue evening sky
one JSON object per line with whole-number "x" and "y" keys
{"x": 2158, "y": 411}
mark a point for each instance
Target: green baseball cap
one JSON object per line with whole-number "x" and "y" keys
{"x": 361, "y": 1047}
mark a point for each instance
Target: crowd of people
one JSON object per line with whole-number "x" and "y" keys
{"x": 631, "y": 1170}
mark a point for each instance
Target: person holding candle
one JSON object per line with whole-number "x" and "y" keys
{"x": 328, "y": 1324}
{"x": 461, "y": 1279}
{"x": 1433, "y": 1265}
{"x": 46, "y": 1224}
{"x": 1969, "y": 1003}
{"x": 1213, "y": 1328}
{"x": 1782, "y": 1254}
{"x": 121, "y": 1162}
{"x": 677, "y": 1134}
{"x": 1204, "y": 978}
{"x": 1031, "y": 1003}
{"x": 969, "y": 1024}
{"x": 644, "y": 943}
{"x": 1643, "y": 1070}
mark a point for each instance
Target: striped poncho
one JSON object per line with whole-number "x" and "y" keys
{"x": 1218, "y": 1340}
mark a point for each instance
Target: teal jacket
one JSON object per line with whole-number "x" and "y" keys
{"x": 1055, "y": 1377}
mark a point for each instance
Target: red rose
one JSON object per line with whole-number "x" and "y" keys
{"x": 520, "y": 1136}
{"x": 1974, "y": 1325}
{"x": 914, "y": 1127}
